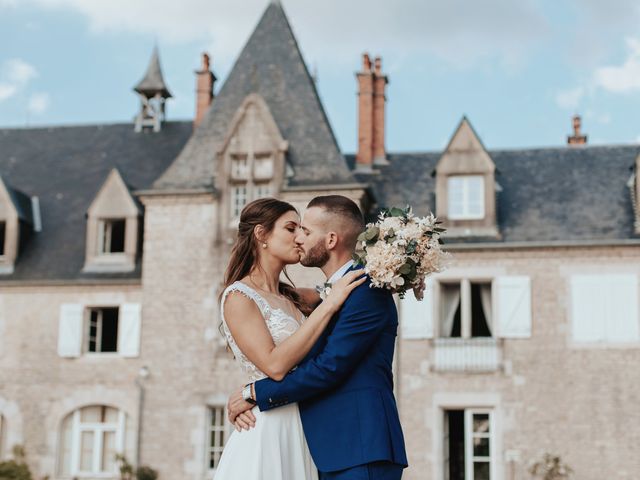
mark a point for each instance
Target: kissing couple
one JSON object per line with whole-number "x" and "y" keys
{"x": 318, "y": 402}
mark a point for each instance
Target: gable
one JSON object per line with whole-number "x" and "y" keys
{"x": 272, "y": 66}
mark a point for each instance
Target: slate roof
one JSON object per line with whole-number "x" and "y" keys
{"x": 271, "y": 65}
{"x": 548, "y": 194}
{"x": 65, "y": 167}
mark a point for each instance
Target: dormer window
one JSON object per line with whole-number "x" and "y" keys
{"x": 17, "y": 224}
{"x": 114, "y": 228}
{"x": 112, "y": 236}
{"x": 465, "y": 197}
{"x": 250, "y": 158}
{"x": 466, "y": 188}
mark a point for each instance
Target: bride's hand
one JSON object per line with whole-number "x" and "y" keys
{"x": 341, "y": 289}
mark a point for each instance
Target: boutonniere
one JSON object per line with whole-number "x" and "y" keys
{"x": 324, "y": 290}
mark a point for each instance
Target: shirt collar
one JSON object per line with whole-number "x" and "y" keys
{"x": 340, "y": 272}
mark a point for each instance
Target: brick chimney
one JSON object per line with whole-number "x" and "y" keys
{"x": 371, "y": 108}
{"x": 379, "y": 99}
{"x": 204, "y": 89}
{"x": 364, "y": 157}
{"x": 577, "y": 138}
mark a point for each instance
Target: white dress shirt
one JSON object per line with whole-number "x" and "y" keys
{"x": 340, "y": 272}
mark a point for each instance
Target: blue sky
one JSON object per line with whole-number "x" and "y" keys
{"x": 518, "y": 69}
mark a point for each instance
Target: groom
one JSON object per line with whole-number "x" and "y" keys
{"x": 344, "y": 386}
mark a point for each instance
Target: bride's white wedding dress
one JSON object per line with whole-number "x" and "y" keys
{"x": 275, "y": 449}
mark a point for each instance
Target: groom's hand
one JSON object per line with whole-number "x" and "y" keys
{"x": 239, "y": 411}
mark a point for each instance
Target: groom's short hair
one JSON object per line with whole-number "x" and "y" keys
{"x": 347, "y": 212}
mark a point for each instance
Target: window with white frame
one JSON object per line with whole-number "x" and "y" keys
{"x": 102, "y": 330}
{"x": 238, "y": 199}
{"x": 468, "y": 444}
{"x": 90, "y": 438}
{"x": 111, "y": 235}
{"x": 239, "y": 167}
{"x": 605, "y": 308}
{"x": 96, "y": 330}
{"x": 217, "y": 435}
{"x": 465, "y": 309}
{"x": 465, "y": 197}
{"x": 263, "y": 166}
{"x": 251, "y": 176}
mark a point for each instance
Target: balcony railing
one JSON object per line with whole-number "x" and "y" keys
{"x": 480, "y": 354}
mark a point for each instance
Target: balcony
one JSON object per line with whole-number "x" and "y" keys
{"x": 455, "y": 354}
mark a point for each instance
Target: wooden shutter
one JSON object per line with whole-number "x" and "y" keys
{"x": 622, "y": 308}
{"x": 70, "y": 330}
{"x": 417, "y": 316}
{"x": 129, "y": 330}
{"x": 512, "y": 306}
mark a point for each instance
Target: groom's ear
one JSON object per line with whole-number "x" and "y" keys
{"x": 331, "y": 240}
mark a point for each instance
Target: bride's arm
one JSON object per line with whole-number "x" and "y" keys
{"x": 250, "y": 332}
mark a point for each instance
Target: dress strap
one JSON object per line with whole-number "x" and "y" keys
{"x": 248, "y": 292}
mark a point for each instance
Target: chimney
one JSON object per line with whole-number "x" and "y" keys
{"x": 577, "y": 138}
{"x": 204, "y": 89}
{"x": 379, "y": 99}
{"x": 364, "y": 157}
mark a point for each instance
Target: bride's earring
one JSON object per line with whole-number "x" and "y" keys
{"x": 264, "y": 245}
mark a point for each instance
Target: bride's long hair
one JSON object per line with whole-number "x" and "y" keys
{"x": 244, "y": 254}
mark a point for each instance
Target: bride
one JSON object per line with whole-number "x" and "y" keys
{"x": 264, "y": 322}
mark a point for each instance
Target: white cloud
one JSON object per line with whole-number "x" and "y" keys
{"x": 570, "y": 99}
{"x": 7, "y": 91}
{"x": 18, "y": 71}
{"x": 15, "y": 74}
{"x": 38, "y": 103}
{"x": 624, "y": 78}
{"x": 458, "y": 32}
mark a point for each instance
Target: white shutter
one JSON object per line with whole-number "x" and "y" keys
{"x": 622, "y": 308}
{"x": 70, "y": 330}
{"x": 588, "y": 308}
{"x": 129, "y": 330}
{"x": 417, "y": 316}
{"x": 512, "y": 306}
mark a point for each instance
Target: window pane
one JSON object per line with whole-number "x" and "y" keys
{"x": 481, "y": 471}
{"x": 93, "y": 330}
{"x": 109, "y": 340}
{"x": 480, "y": 423}
{"x": 3, "y": 230}
{"x": 86, "y": 451}
{"x": 91, "y": 414}
{"x": 117, "y": 235}
{"x": 481, "y": 447}
{"x": 263, "y": 166}
{"x": 109, "y": 452}
{"x": 238, "y": 200}
{"x": 110, "y": 415}
{"x": 239, "y": 166}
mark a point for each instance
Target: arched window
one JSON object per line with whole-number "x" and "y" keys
{"x": 90, "y": 438}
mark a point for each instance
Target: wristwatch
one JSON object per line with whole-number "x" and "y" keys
{"x": 246, "y": 394}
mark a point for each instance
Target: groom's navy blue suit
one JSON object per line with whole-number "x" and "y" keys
{"x": 344, "y": 387}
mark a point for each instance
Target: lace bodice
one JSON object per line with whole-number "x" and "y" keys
{"x": 281, "y": 325}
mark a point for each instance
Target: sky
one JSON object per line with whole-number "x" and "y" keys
{"x": 519, "y": 70}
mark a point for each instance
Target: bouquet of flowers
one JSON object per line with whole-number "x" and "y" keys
{"x": 400, "y": 250}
